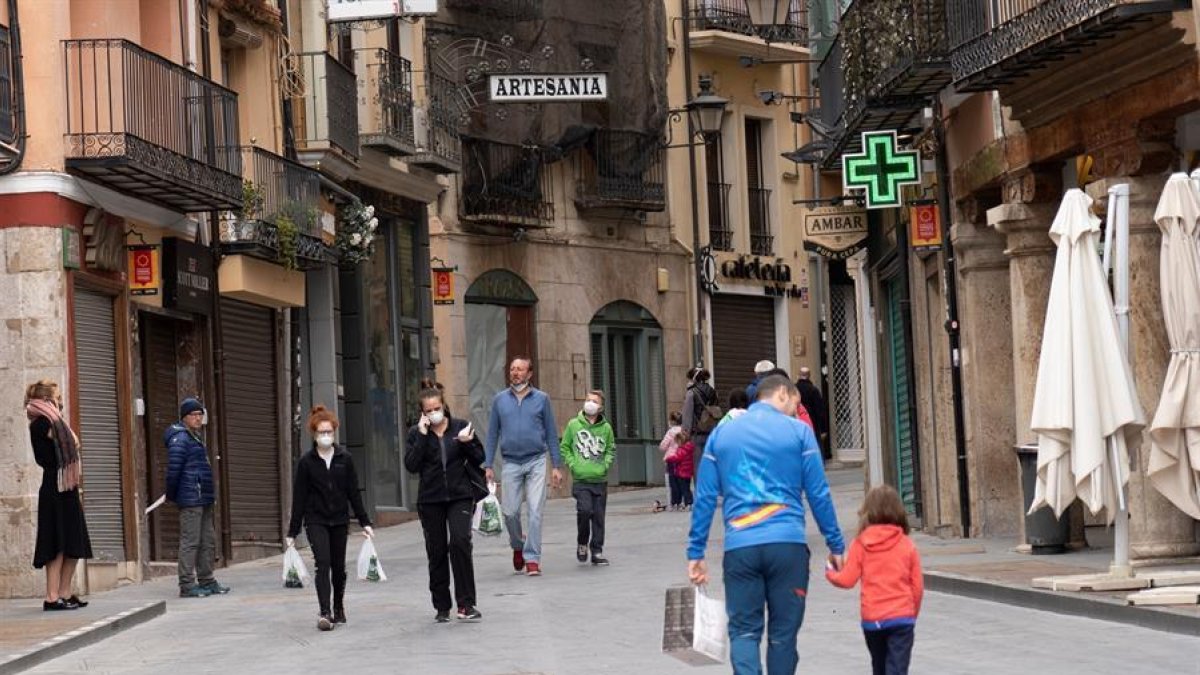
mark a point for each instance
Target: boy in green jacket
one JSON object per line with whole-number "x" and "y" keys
{"x": 588, "y": 450}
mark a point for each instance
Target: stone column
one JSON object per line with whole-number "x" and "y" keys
{"x": 1157, "y": 529}
{"x": 985, "y": 312}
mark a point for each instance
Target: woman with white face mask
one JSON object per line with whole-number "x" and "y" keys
{"x": 448, "y": 457}
{"x": 325, "y": 488}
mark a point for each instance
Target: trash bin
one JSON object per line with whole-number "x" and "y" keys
{"x": 1045, "y": 533}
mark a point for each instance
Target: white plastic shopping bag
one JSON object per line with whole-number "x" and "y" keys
{"x": 710, "y": 626}
{"x": 294, "y": 571}
{"x": 369, "y": 567}
{"x": 487, "y": 519}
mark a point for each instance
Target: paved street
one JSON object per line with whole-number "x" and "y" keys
{"x": 579, "y": 619}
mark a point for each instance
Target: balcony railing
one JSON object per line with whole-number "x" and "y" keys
{"x": 329, "y": 106}
{"x": 277, "y": 195}
{"x": 761, "y": 240}
{"x": 622, "y": 169}
{"x": 720, "y": 230}
{"x": 150, "y": 128}
{"x": 438, "y": 146}
{"x": 386, "y": 114}
{"x": 998, "y": 41}
{"x": 504, "y": 184}
{"x": 732, "y": 16}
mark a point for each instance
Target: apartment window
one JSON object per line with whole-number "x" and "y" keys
{"x": 720, "y": 229}
{"x": 758, "y": 196}
{"x": 7, "y": 126}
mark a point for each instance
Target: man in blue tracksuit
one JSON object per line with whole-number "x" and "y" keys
{"x": 760, "y": 463}
{"x": 190, "y": 487}
{"x": 521, "y": 429}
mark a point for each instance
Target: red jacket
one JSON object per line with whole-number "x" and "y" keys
{"x": 682, "y": 461}
{"x": 887, "y": 562}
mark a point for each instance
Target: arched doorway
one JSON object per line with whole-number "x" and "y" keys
{"x": 627, "y": 363}
{"x": 499, "y": 326}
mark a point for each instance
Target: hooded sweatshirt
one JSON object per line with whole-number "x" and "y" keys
{"x": 890, "y": 568}
{"x": 588, "y": 449}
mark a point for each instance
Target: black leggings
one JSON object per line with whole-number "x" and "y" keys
{"x": 329, "y": 550}
{"x": 681, "y": 491}
{"x": 447, "y": 527}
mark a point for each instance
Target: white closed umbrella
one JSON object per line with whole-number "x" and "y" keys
{"x": 1085, "y": 409}
{"x": 1174, "y": 466}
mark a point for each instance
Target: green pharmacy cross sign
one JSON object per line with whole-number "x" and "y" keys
{"x": 881, "y": 169}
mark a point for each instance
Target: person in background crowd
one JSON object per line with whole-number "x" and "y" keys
{"x": 62, "y": 535}
{"x": 670, "y": 441}
{"x": 801, "y": 412}
{"x": 190, "y": 487}
{"x": 323, "y": 492}
{"x": 521, "y": 429}
{"x": 761, "y": 370}
{"x": 698, "y": 422}
{"x": 446, "y": 454}
{"x": 814, "y": 403}
{"x": 681, "y": 468}
{"x": 738, "y": 403}
{"x": 588, "y": 449}
{"x": 760, "y": 464}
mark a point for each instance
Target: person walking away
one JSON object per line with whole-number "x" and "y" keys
{"x": 761, "y": 370}
{"x": 760, "y": 464}
{"x": 698, "y": 420}
{"x": 62, "y": 535}
{"x": 682, "y": 469}
{"x": 190, "y": 487}
{"x": 738, "y": 403}
{"x": 445, "y": 453}
{"x": 670, "y": 441}
{"x": 521, "y": 430}
{"x": 887, "y": 562}
{"x": 588, "y": 449}
{"x": 324, "y": 491}
{"x": 814, "y": 402}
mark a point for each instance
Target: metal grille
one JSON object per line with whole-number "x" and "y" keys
{"x": 846, "y": 372}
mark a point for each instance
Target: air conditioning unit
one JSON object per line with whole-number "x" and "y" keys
{"x": 236, "y": 33}
{"x": 421, "y": 128}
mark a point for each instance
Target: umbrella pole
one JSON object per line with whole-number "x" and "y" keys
{"x": 1118, "y": 202}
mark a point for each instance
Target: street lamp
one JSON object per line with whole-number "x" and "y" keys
{"x": 706, "y": 110}
{"x": 767, "y": 13}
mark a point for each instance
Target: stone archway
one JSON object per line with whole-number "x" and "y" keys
{"x": 499, "y": 326}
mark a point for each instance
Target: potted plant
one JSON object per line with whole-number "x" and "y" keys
{"x": 355, "y": 241}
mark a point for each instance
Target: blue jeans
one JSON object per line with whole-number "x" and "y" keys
{"x": 774, "y": 576}
{"x": 524, "y": 484}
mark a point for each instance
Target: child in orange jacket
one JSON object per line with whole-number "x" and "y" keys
{"x": 892, "y": 585}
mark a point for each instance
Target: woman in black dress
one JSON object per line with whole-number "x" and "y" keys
{"x": 62, "y": 537}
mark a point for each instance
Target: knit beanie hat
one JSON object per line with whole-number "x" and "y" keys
{"x": 189, "y": 406}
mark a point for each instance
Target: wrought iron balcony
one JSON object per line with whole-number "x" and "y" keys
{"x": 144, "y": 126}
{"x": 279, "y": 217}
{"x": 893, "y": 56}
{"x": 997, "y": 43}
{"x": 621, "y": 169}
{"x": 327, "y": 114}
{"x": 761, "y": 240}
{"x": 720, "y": 230}
{"x": 732, "y": 16}
{"x": 504, "y": 184}
{"x": 438, "y": 146}
{"x": 385, "y": 113}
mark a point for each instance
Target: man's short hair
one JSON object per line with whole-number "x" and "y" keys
{"x": 528, "y": 361}
{"x": 597, "y": 392}
{"x": 763, "y": 366}
{"x": 805, "y": 372}
{"x": 772, "y": 384}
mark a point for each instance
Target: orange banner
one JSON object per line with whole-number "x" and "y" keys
{"x": 925, "y": 227}
{"x": 443, "y": 287}
{"x": 144, "y": 270}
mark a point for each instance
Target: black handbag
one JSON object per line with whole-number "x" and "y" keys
{"x": 477, "y": 478}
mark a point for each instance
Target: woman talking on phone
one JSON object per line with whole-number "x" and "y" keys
{"x": 447, "y": 456}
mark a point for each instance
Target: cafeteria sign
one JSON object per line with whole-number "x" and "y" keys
{"x": 541, "y": 88}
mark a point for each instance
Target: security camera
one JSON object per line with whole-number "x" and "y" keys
{"x": 519, "y": 234}
{"x": 769, "y": 97}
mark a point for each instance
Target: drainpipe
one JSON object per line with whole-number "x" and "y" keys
{"x": 697, "y": 339}
{"x": 18, "y": 84}
{"x": 952, "y": 326}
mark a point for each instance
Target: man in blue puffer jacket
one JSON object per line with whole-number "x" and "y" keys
{"x": 190, "y": 487}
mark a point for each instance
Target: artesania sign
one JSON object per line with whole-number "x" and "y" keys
{"x": 362, "y": 10}
{"x": 543, "y": 87}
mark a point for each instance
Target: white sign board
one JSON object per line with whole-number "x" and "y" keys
{"x": 541, "y": 87}
{"x": 362, "y": 10}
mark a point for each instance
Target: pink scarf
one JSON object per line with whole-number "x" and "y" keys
{"x": 65, "y": 442}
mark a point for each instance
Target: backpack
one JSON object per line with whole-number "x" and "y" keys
{"x": 707, "y": 413}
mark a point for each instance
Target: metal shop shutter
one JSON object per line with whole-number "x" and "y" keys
{"x": 252, "y": 426}
{"x": 743, "y": 329}
{"x": 99, "y": 423}
{"x": 161, "y": 369}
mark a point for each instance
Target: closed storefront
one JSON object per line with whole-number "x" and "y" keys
{"x": 99, "y": 422}
{"x": 160, "y": 366}
{"x": 251, "y": 461}
{"x": 743, "y": 329}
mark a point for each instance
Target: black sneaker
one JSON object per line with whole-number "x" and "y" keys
{"x": 443, "y": 616}
{"x": 581, "y": 554}
{"x": 214, "y": 587}
{"x": 194, "y": 592}
{"x": 324, "y": 622}
{"x": 339, "y": 615}
{"x": 599, "y": 559}
{"x": 468, "y": 614}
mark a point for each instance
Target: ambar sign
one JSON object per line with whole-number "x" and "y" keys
{"x": 566, "y": 87}
{"x": 834, "y": 231}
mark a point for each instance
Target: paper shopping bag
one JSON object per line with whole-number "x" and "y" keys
{"x": 679, "y": 626}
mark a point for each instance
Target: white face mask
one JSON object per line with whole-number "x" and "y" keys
{"x": 325, "y": 440}
{"x": 520, "y": 387}
{"x": 590, "y": 408}
{"x": 436, "y": 417}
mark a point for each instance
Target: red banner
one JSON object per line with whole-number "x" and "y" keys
{"x": 143, "y": 270}
{"x": 443, "y": 287}
{"x": 925, "y": 227}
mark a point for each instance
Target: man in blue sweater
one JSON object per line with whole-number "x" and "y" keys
{"x": 760, "y": 463}
{"x": 522, "y": 429}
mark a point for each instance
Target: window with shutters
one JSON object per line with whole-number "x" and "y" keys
{"x": 7, "y": 125}
{"x": 758, "y": 195}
